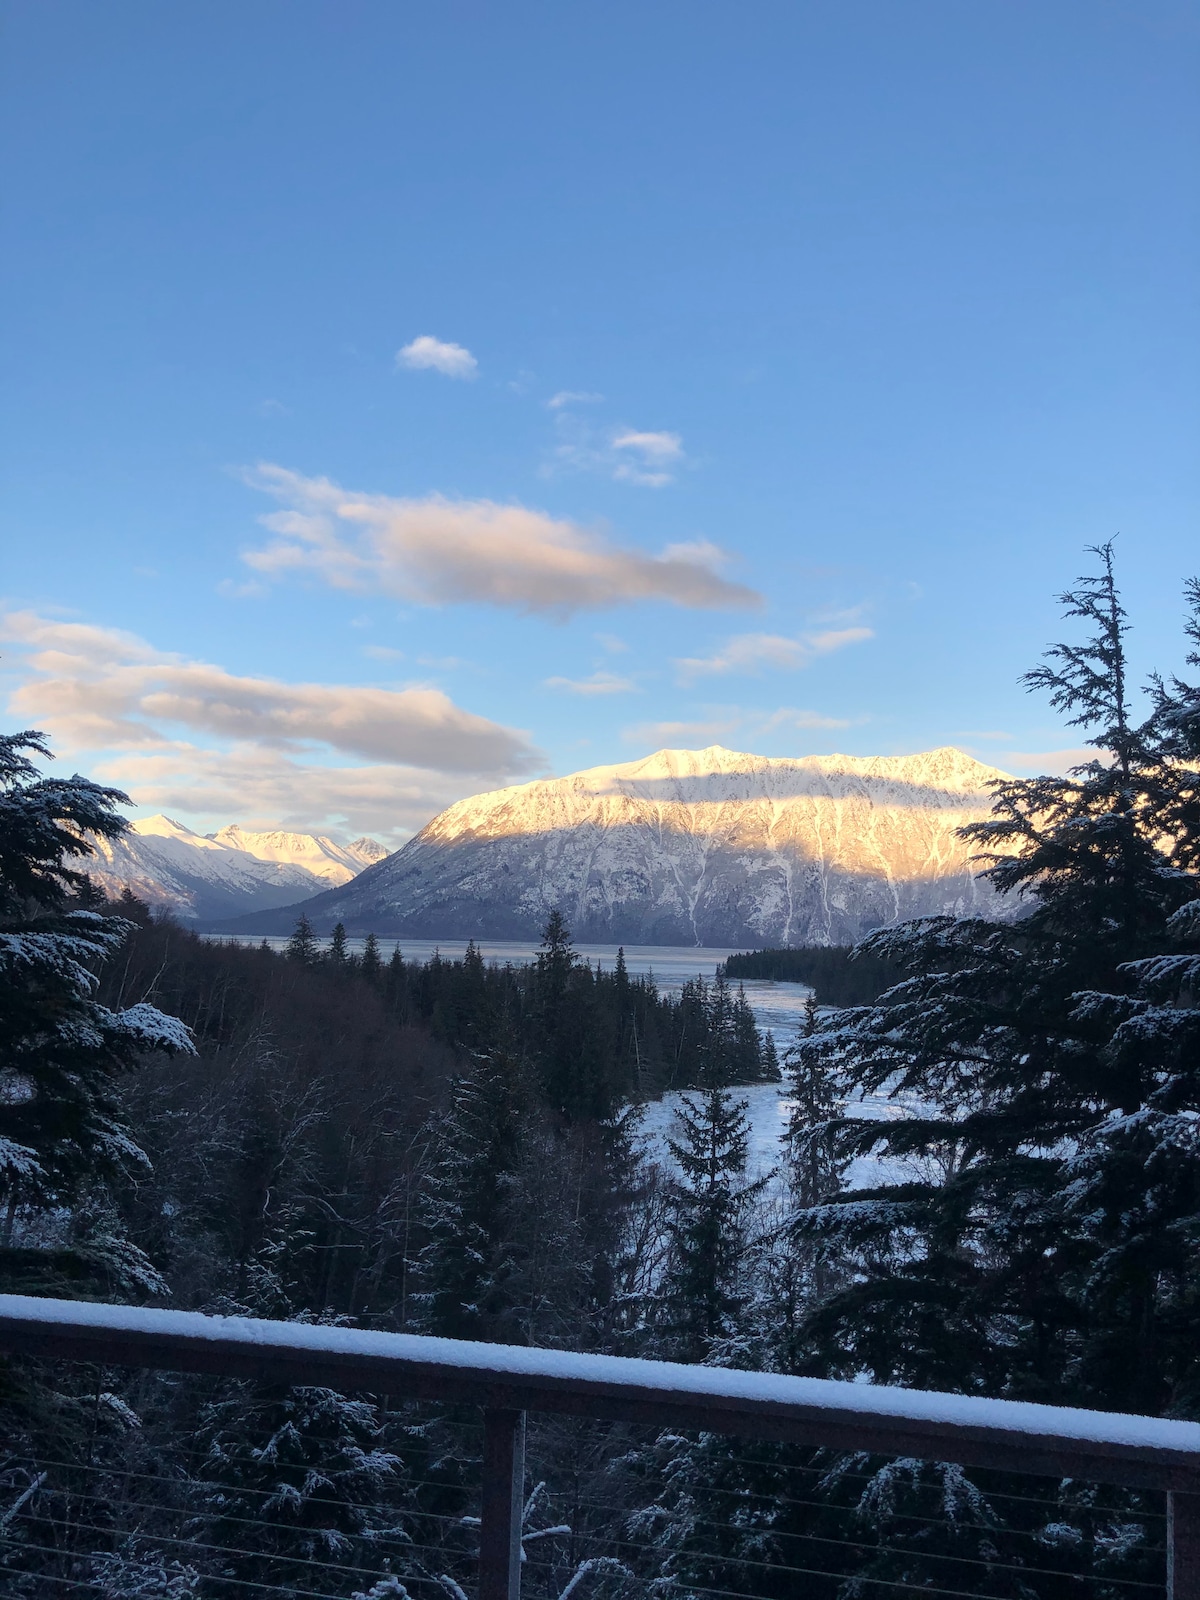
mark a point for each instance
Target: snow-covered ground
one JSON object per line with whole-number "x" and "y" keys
{"x": 768, "y": 1109}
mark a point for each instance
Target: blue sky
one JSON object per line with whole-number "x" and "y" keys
{"x": 769, "y": 368}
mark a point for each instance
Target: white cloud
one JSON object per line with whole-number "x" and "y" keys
{"x": 428, "y": 353}
{"x": 748, "y": 725}
{"x": 1033, "y": 763}
{"x": 229, "y": 590}
{"x": 612, "y": 642}
{"x": 793, "y": 717}
{"x": 599, "y": 682}
{"x": 443, "y": 663}
{"x": 754, "y": 652}
{"x": 677, "y": 735}
{"x": 191, "y": 736}
{"x": 263, "y": 787}
{"x": 99, "y": 687}
{"x": 438, "y": 551}
{"x": 654, "y": 454}
{"x": 572, "y": 397}
{"x": 630, "y": 455}
{"x": 651, "y": 446}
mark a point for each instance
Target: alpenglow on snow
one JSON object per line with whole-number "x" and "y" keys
{"x": 703, "y": 847}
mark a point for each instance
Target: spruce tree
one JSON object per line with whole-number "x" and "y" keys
{"x": 338, "y": 954}
{"x": 747, "y": 1062}
{"x": 63, "y": 1054}
{"x": 372, "y": 965}
{"x": 570, "y": 1043}
{"x": 1131, "y": 1206}
{"x": 813, "y": 1165}
{"x": 293, "y": 1485}
{"x": 1004, "y": 1042}
{"x": 303, "y": 947}
{"x": 465, "y": 1266}
{"x": 709, "y": 1205}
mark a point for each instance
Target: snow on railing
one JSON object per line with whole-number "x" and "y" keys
{"x": 1142, "y": 1453}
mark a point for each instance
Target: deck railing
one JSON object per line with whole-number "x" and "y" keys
{"x": 507, "y": 1381}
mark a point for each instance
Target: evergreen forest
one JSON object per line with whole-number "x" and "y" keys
{"x": 455, "y": 1148}
{"x": 837, "y": 976}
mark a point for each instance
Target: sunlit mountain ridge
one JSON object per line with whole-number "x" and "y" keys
{"x": 705, "y": 847}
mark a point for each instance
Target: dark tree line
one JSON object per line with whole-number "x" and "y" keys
{"x": 837, "y": 975}
{"x": 594, "y": 1039}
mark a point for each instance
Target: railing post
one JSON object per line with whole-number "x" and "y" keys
{"x": 503, "y": 1503}
{"x": 1183, "y": 1546}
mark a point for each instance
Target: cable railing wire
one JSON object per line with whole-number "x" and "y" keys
{"x": 406, "y": 1545}
{"x": 618, "y": 1509}
{"x": 864, "y": 1547}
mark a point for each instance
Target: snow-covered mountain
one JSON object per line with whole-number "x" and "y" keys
{"x": 335, "y": 863}
{"x": 707, "y": 847}
{"x": 205, "y": 877}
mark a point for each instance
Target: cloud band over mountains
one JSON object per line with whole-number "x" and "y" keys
{"x": 191, "y": 735}
{"x": 439, "y": 551}
{"x": 755, "y": 652}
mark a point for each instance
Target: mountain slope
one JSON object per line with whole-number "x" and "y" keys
{"x": 201, "y": 877}
{"x": 686, "y": 847}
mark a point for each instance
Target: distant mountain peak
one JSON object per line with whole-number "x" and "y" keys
{"x": 229, "y": 873}
{"x": 368, "y": 850}
{"x": 317, "y": 851}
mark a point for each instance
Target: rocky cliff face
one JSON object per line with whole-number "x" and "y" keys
{"x": 707, "y": 847}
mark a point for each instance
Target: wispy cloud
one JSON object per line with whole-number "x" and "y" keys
{"x": 1033, "y": 763}
{"x": 177, "y": 729}
{"x": 758, "y": 652}
{"x": 629, "y": 455}
{"x": 599, "y": 682}
{"x": 748, "y": 725}
{"x": 681, "y": 734}
{"x": 231, "y": 590}
{"x": 794, "y": 717}
{"x": 648, "y": 458}
{"x": 572, "y": 397}
{"x": 438, "y": 551}
{"x": 435, "y": 355}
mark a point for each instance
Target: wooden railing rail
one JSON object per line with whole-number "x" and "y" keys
{"x": 508, "y": 1380}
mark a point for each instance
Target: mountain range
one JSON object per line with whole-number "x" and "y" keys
{"x": 700, "y": 847}
{"x": 202, "y": 877}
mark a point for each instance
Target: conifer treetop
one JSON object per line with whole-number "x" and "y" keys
{"x": 44, "y": 823}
